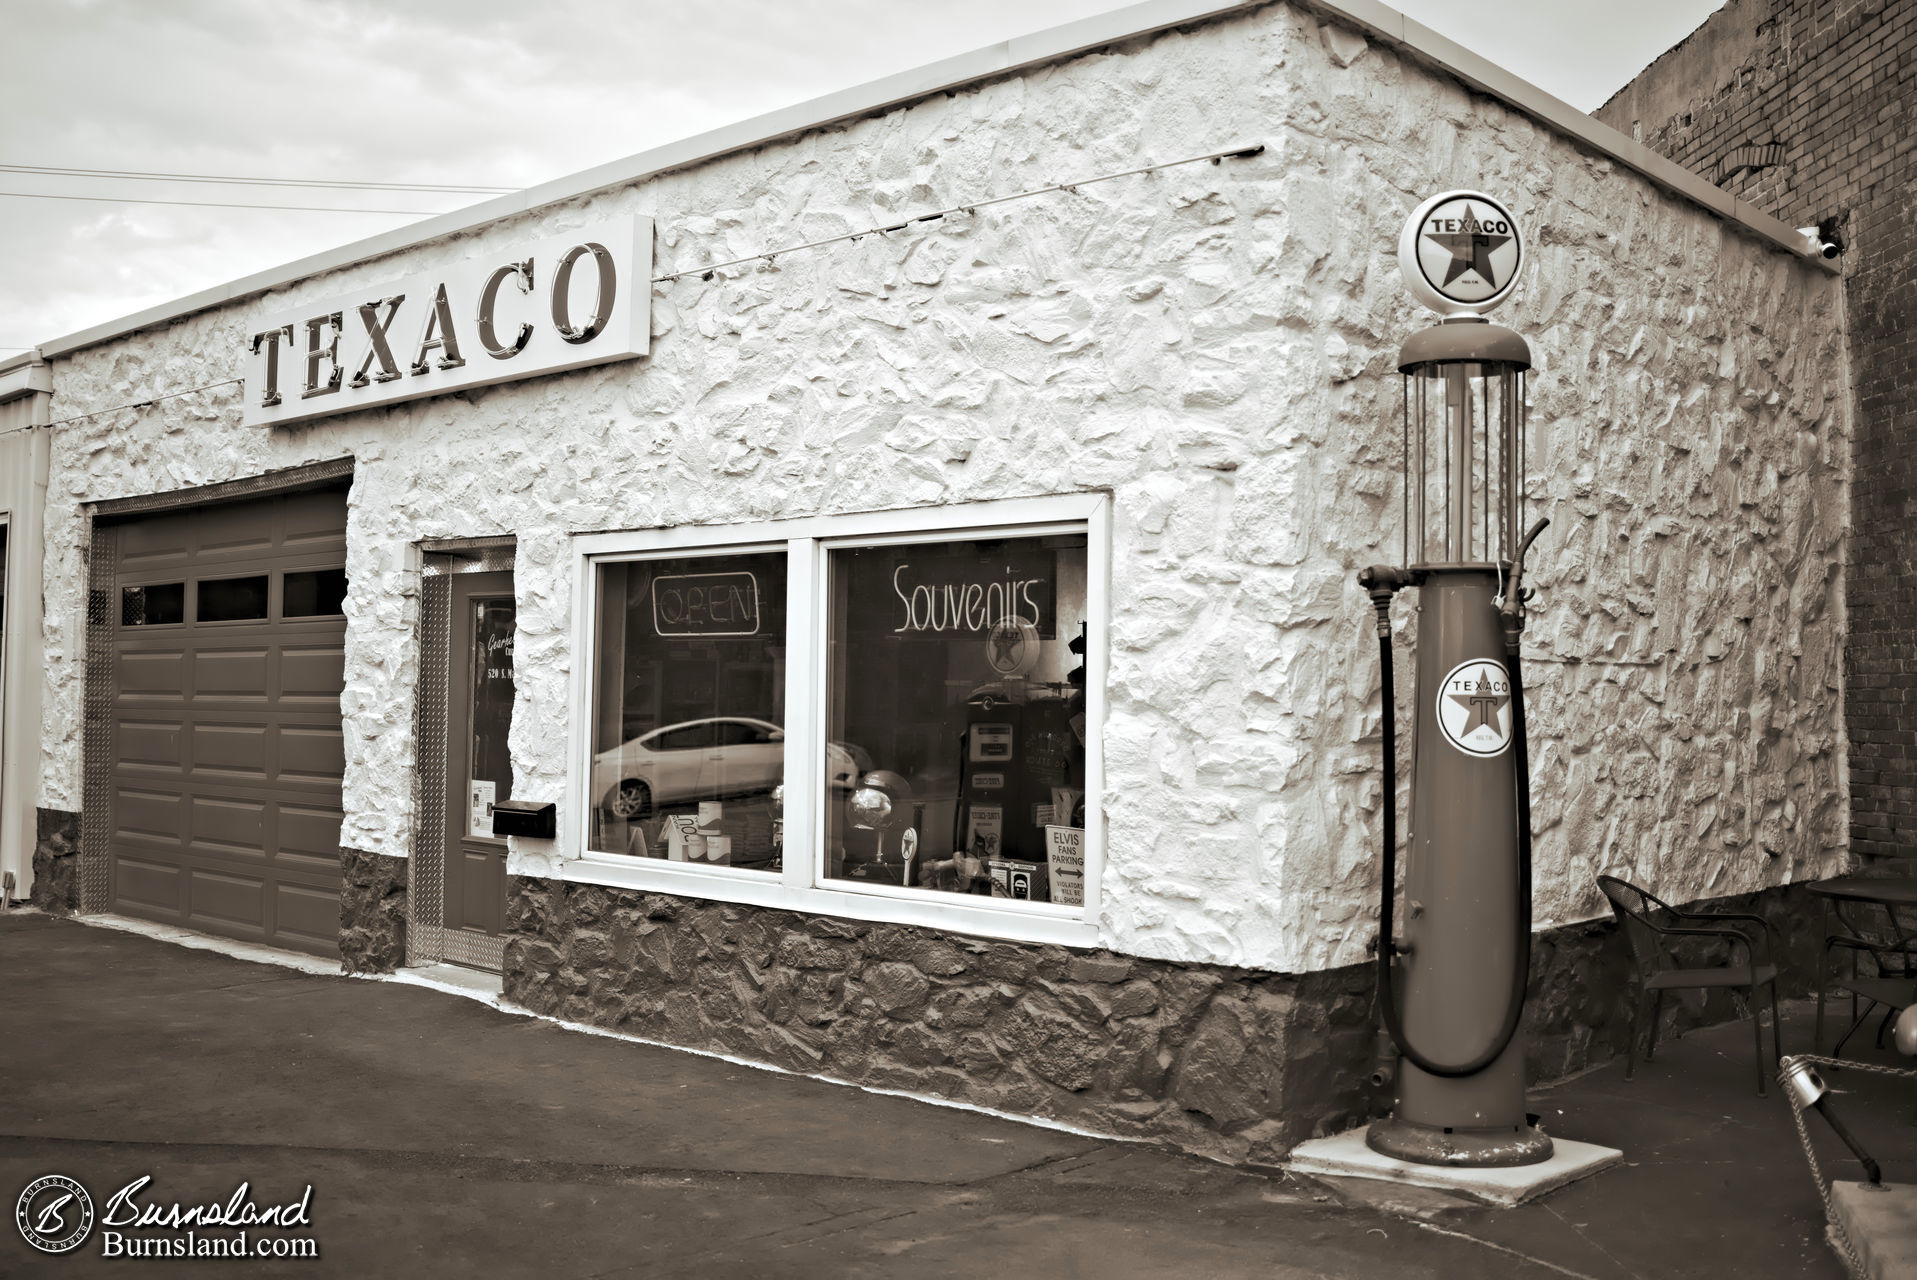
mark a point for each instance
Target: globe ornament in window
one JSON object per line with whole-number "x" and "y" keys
{"x": 1012, "y": 647}
{"x": 881, "y": 842}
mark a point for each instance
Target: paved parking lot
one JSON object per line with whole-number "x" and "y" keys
{"x": 443, "y": 1136}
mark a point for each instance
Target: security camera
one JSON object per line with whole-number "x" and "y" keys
{"x": 1823, "y": 238}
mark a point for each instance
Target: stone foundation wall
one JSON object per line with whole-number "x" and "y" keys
{"x": 372, "y": 912}
{"x": 56, "y": 861}
{"x": 1231, "y": 1063}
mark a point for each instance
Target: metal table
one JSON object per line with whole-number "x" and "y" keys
{"x": 1888, "y": 892}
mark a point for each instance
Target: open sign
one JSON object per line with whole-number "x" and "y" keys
{"x": 706, "y": 604}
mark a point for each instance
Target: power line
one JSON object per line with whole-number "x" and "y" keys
{"x": 705, "y": 270}
{"x": 246, "y": 182}
{"x": 216, "y": 204}
{"x": 143, "y": 404}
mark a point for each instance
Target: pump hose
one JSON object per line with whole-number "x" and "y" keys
{"x": 1521, "y": 970}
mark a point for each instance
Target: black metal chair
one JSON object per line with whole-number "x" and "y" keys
{"x": 1891, "y": 984}
{"x": 1655, "y": 929}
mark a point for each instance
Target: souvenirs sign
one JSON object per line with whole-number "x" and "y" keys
{"x": 929, "y": 593}
{"x": 1460, "y": 253}
{"x": 576, "y": 299}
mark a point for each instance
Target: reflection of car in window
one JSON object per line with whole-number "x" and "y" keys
{"x": 705, "y": 760}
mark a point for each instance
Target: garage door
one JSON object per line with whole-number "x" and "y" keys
{"x": 226, "y": 755}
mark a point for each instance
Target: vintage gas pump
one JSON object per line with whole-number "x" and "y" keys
{"x": 1451, "y": 982}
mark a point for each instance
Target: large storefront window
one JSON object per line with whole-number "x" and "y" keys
{"x": 890, "y": 716}
{"x": 689, "y": 710}
{"x": 959, "y": 666}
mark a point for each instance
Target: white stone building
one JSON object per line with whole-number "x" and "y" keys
{"x": 846, "y": 511}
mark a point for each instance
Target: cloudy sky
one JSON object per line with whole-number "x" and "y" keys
{"x": 488, "y": 93}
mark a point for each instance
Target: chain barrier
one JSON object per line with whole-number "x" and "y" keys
{"x": 1831, "y": 1219}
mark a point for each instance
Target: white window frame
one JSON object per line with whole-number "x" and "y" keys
{"x": 802, "y": 885}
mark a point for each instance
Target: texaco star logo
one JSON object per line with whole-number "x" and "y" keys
{"x": 1460, "y": 252}
{"x": 1470, "y": 248}
{"x": 1014, "y": 647}
{"x": 1474, "y": 707}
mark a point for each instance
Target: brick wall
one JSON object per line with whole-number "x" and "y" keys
{"x": 1805, "y": 109}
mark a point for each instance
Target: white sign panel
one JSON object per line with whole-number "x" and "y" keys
{"x": 484, "y": 796}
{"x": 576, "y": 299}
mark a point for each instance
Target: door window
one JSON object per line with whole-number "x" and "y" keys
{"x": 489, "y": 772}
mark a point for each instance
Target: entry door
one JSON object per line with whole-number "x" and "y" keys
{"x": 479, "y": 713}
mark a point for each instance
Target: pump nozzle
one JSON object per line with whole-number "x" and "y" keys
{"x": 1511, "y": 608}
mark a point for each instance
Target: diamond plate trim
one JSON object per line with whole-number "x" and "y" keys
{"x": 96, "y": 740}
{"x": 474, "y": 950}
{"x": 468, "y": 555}
{"x": 426, "y": 869}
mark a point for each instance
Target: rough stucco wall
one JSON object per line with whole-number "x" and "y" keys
{"x": 1214, "y": 346}
{"x": 1826, "y": 86}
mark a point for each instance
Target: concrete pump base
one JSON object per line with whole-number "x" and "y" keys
{"x": 1881, "y": 1222}
{"x": 1347, "y": 1156}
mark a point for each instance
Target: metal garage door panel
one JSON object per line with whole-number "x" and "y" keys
{"x": 228, "y": 899}
{"x": 232, "y": 749}
{"x": 308, "y": 837}
{"x": 312, "y": 673}
{"x": 308, "y": 915}
{"x": 148, "y": 543}
{"x": 236, "y": 674}
{"x": 236, "y": 827}
{"x": 151, "y": 745}
{"x": 227, "y": 752}
{"x": 243, "y": 527}
{"x": 148, "y": 674}
{"x": 142, "y": 882}
{"x": 156, "y": 814}
{"x": 316, "y": 755}
{"x": 313, "y": 521}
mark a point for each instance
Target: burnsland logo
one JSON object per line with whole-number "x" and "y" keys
{"x": 55, "y": 1215}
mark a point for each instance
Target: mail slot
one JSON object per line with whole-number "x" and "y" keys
{"x": 536, "y": 818}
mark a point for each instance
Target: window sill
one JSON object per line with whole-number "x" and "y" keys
{"x": 1038, "y": 922}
